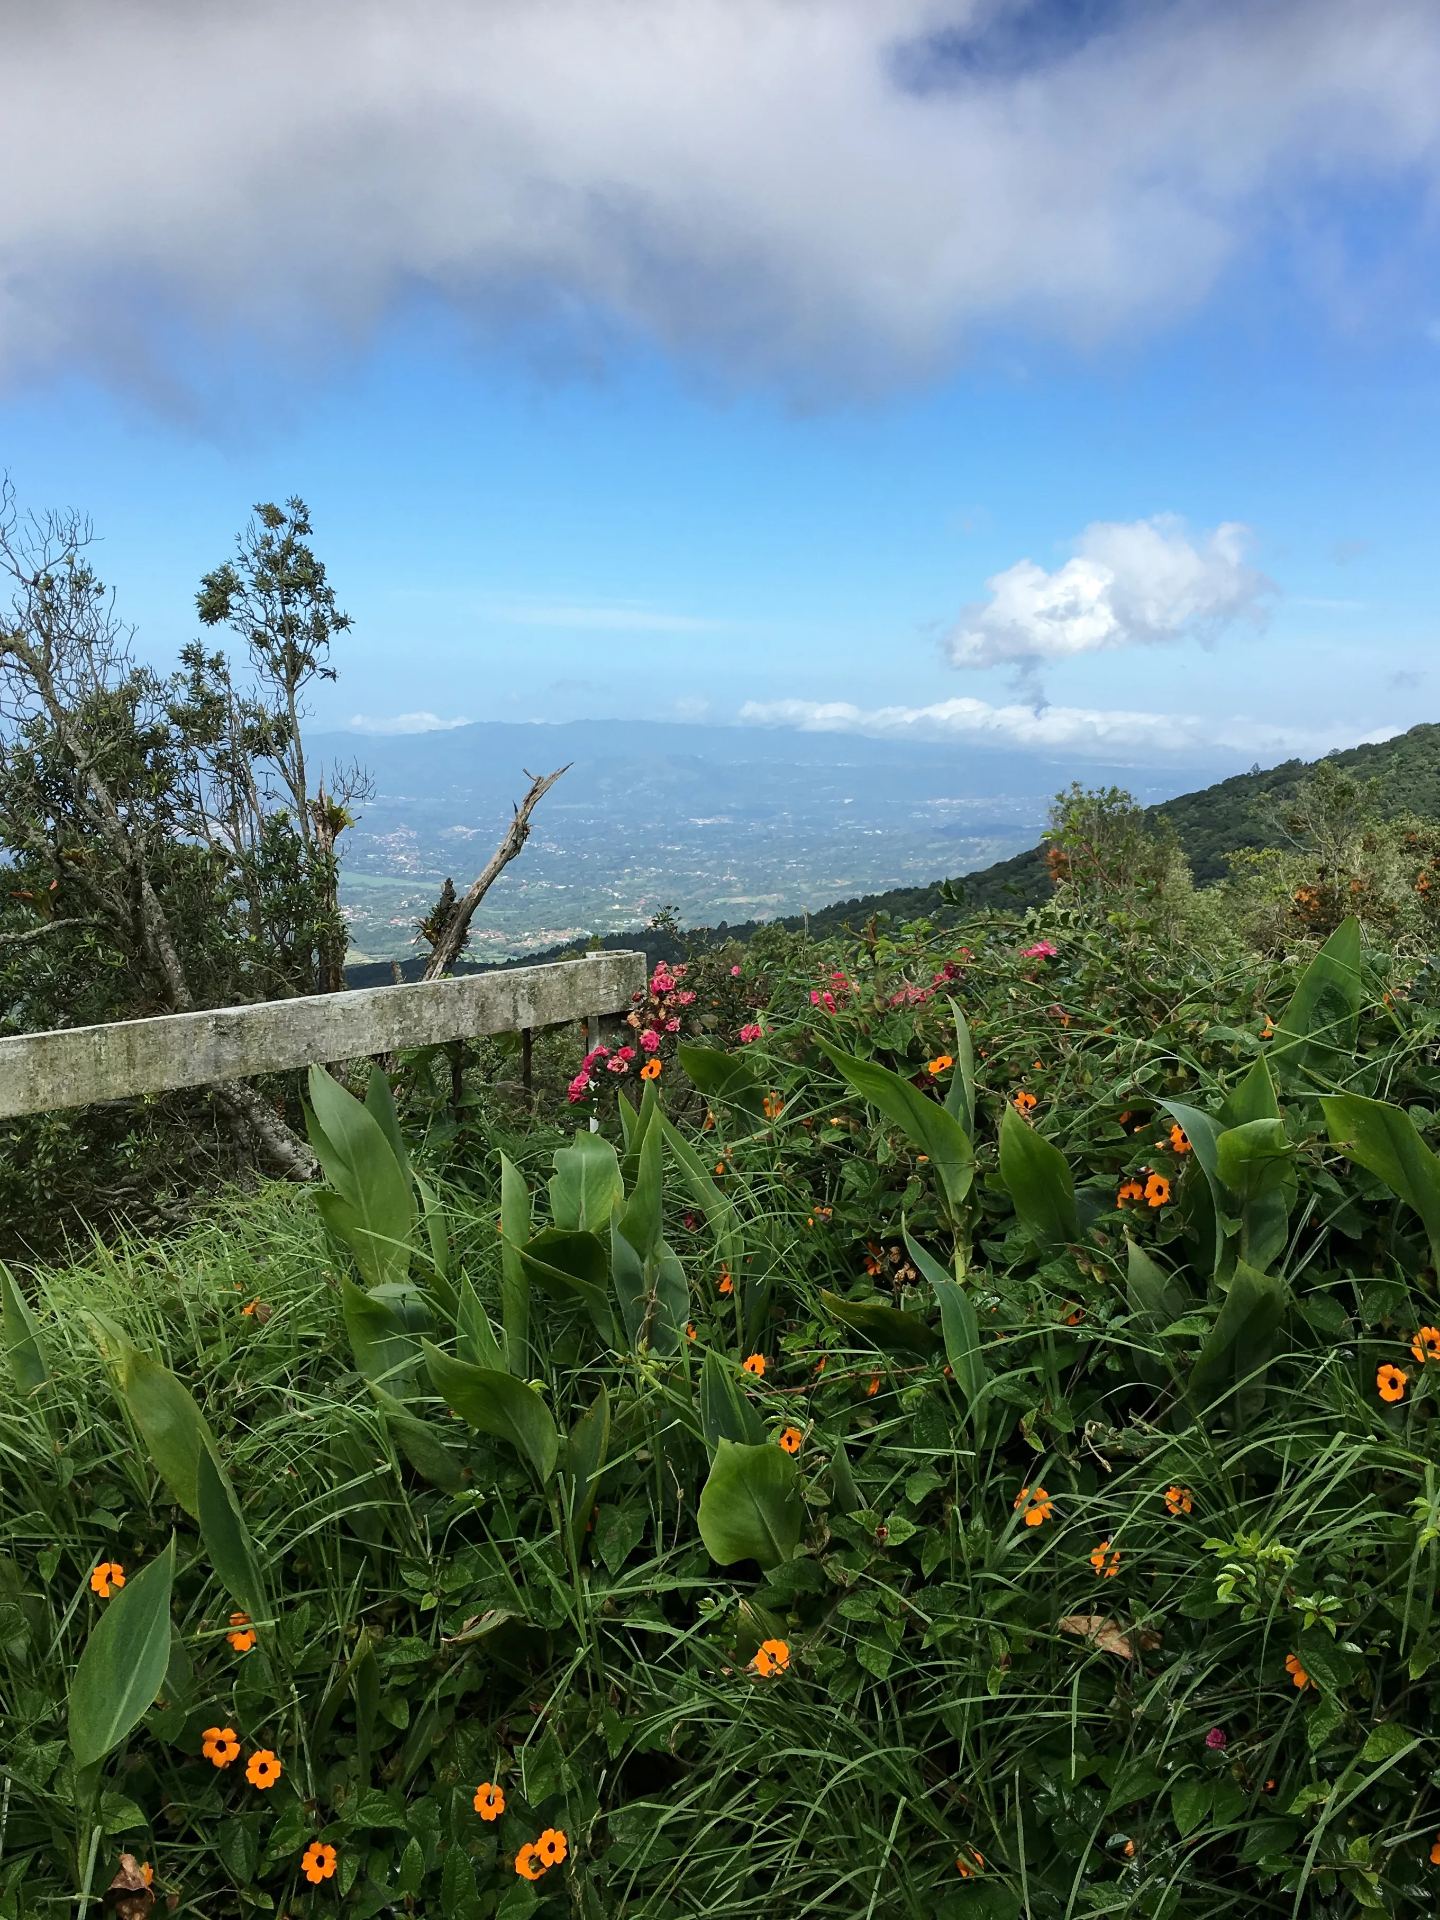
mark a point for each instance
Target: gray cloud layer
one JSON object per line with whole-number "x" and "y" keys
{"x": 774, "y": 185}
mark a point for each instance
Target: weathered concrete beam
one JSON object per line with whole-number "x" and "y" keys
{"x": 72, "y": 1066}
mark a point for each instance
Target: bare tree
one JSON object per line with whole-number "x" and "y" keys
{"x": 447, "y": 931}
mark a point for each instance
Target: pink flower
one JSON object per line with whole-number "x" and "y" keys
{"x": 826, "y": 1000}
{"x": 734, "y": 973}
{"x": 650, "y": 1040}
{"x": 617, "y": 1065}
{"x": 579, "y": 1087}
{"x": 1215, "y": 1739}
{"x": 625, "y": 1054}
{"x": 595, "y": 1053}
{"x": 662, "y": 980}
{"x": 683, "y": 999}
{"x": 680, "y": 972}
{"x": 1042, "y": 950}
{"x": 672, "y": 1026}
{"x": 747, "y": 1034}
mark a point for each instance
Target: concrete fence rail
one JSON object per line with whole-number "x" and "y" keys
{"x": 73, "y": 1066}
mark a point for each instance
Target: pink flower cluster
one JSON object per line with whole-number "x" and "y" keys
{"x": 911, "y": 996}
{"x": 950, "y": 971}
{"x": 1042, "y": 950}
{"x": 656, "y": 1013}
{"x": 747, "y": 1034}
{"x": 826, "y": 997}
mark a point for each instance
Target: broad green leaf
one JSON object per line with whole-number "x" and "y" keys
{"x": 721, "y": 1215}
{"x": 842, "y": 1481}
{"x": 475, "y": 1340}
{"x": 385, "y": 1350}
{"x": 1040, "y": 1183}
{"x": 437, "y": 1235}
{"x": 572, "y": 1266}
{"x": 725, "y": 1411}
{"x": 959, "y": 1328}
{"x": 889, "y": 1328}
{"x": 420, "y": 1443}
{"x": 586, "y": 1187}
{"x": 171, "y": 1425}
{"x": 750, "y": 1508}
{"x": 923, "y": 1121}
{"x": 960, "y": 1100}
{"x": 1383, "y": 1138}
{"x": 1241, "y": 1341}
{"x": 639, "y": 1133}
{"x": 122, "y": 1668}
{"x": 1254, "y": 1163}
{"x": 376, "y": 1210}
{"x": 514, "y": 1287}
{"x": 1190, "y": 1803}
{"x": 1155, "y": 1299}
{"x": 1318, "y": 1031}
{"x": 1253, "y": 1098}
{"x": 1387, "y": 1741}
{"x": 640, "y": 1223}
{"x": 725, "y": 1077}
{"x": 227, "y": 1538}
{"x": 585, "y": 1451}
{"x": 24, "y": 1348}
{"x": 499, "y": 1404}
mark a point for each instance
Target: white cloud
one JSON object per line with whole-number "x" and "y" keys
{"x": 783, "y": 187}
{"x": 403, "y": 723}
{"x": 1128, "y": 585}
{"x": 1114, "y": 734}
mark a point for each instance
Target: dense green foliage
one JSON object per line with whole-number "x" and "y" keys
{"x": 1067, "y": 1545}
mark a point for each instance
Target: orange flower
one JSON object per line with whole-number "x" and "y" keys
{"x": 1296, "y": 1671}
{"x": 772, "y": 1658}
{"x": 318, "y": 1862}
{"x": 1435, "y": 1852}
{"x": 263, "y": 1769}
{"x": 108, "y": 1577}
{"x": 1178, "y": 1499}
{"x": 1106, "y": 1568}
{"x": 940, "y": 1064}
{"x": 1037, "y": 1504}
{"x": 220, "y": 1746}
{"x": 552, "y": 1846}
{"x": 756, "y": 1365}
{"x": 1025, "y": 1101}
{"x": 1426, "y": 1344}
{"x": 489, "y": 1801}
{"x": 774, "y": 1105}
{"x": 689, "y": 1330}
{"x": 790, "y": 1440}
{"x": 527, "y": 1865}
{"x": 1129, "y": 1190}
{"x": 874, "y": 1387}
{"x": 967, "y": 1869}
{"x": 244, "y": 1640}
{"x": 1390, "y": 1382}
{"x": 1157, "y": 1190}
{"x": 651, "y": 1070}
{"x": 719, "y": 1166}
{"x": 147, "y": 1873}
{"x": 1179, "y": 1139}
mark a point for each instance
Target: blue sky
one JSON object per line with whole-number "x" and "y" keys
{"x": 648, "y": 475}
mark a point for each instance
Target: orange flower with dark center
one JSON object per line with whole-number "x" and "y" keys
{"x": 1390, "y": 1382}
{"x": 1179, "y": 1139}
{"x": 318, "y": 1862}
{"x": 1129, "y": 1190}
{"x": 772, "y": 1658}
{"x": 790, "y": 1440}
{"x": 489, "y": 1801}
{"x": 727, "y": 1285}
{"x": 552, "y": 1847}
{"x": 1105, "y": 1562}
{"x": 243, "y": 1640}
{"x": 756, "y": 1365}
{"x": 220, "y": 1746}
{"x": 1157, "y": 1190}
{"x": 967, "y": 1869}
{"x": 263, "y": 1769}
{"x": 651, "y": 1070}
{"x": 528, "y": 1864}
{"x": 1037, "y": 1504}
{"x": 1178, "y": 1499}
{"x": 1426, "y": 1344}
{"x": 107, "y": 1578}
{"x": 1025, "y": 1101}
{"x": 940, "y": 1064}
{"x": 690, "y": 1330}
{"x": 774, "y": 1105}
{"x": 1296, "y": 1671}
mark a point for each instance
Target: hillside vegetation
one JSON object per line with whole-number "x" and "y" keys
{"x": 960, "y": 1443}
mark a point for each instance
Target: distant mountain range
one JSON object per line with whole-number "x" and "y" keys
{"x": 723, "y": 823}
{"x": 1210, "y": 823}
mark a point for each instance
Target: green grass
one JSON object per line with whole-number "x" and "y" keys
{"x": 942, "y": 1698}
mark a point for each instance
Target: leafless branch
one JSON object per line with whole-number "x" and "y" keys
{"x": 450, "y": 938}
{"x": 38, "y": 933}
